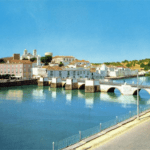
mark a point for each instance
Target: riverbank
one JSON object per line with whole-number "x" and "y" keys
{"x": 101, "y": 138}
{"x": 9, "y": 83}
{"x": 123, "y": 77}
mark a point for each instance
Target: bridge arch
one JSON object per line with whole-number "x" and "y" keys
{"x": 82, "y": 86}
{"x": 135, "y": 92}
{"x": 63, "y": 84}
{"x": 112, "y": 89}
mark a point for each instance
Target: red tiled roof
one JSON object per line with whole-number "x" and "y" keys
{"x": 53, "y": 67}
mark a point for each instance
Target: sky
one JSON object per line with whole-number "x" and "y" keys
{"x": 95, "y": 30}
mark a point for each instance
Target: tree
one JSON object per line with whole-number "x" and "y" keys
{"x": 125, "y": 61}
{"x": 2, "y": 61}
{"x": 25, "y": 59}
{"x": 61, "y": 64}
{"x": 129, "y": 65}
{"x": 148, "y": 64}
{"x": 32, "y": 59}
{"x": 46, "y": 59}
{"x": 142, "y": 65}
{"x": 146, "y": 68}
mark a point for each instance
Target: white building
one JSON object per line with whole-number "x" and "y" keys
{"x": 115, "y": 71}
{"x": 48, "y": 71}
{"x": 79, "y": 63}
{"x": 27, "y": 55}
{"x": 64, "y": 59}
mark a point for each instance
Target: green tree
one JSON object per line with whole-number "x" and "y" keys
{"x": 148, "y": 64}
{"x": 32, "y": 59}
{"x": 146, "y": 68}
{"x": 125, "y": 61}
{"x": 129, "y": 65}
{"x": 46, "y": 59}
{"x": 142, "y": 65}
{"x": 2, "y": 61}
{"x": 61, "y": 64}
{"x": 25, "y": 59}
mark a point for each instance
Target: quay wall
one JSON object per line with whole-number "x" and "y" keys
{"x": 19, "y": 83}
{"x": 123, "y": 77}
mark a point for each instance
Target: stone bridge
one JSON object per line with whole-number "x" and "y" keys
{"x": 125, "y": 89}
{"x": 92, "y": 86}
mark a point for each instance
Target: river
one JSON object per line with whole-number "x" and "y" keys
{"x": 32, "y": 117}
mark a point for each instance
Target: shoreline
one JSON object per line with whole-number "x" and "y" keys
{"x": 108, "y": 134}
{"x": 123, "y": 77}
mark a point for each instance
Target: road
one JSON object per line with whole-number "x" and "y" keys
{"x": 137, "y": 138}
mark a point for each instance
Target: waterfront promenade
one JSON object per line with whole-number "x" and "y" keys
{"x": 133, "y": 135}
{"x": 136, "y": 138}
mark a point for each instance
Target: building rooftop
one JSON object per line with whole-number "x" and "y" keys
{"x": 92, "y": 69}
{"x": 63, "y": 56}
{"x": 76, "y": 61}
{"x": 53, "y": 67}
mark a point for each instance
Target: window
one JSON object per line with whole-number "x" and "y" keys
{"x": 51, "y": 73}
{"x": 16, "y": 70}
{"x": 60, "y": 73}
{"x": 68, "y": 73}
{"x": 20, "y": 70}
{"x": 80, "y": 72}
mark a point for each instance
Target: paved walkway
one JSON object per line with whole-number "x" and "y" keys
{"x": 137, "y": 138}
{"x": 133, "y": 135}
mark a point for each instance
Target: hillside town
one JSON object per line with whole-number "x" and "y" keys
{"x": 59, "y": 66}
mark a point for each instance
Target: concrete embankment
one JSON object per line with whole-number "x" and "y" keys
{"x": 105, "y": 136}
{"x": 18, "y": 83}
{"x": 123, "y": 77}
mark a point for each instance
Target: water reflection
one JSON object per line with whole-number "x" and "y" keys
{"x": 53, "y": 92}
{"x": 38, "y": 94}
{"x": 89, "y": 100}
{"x": 81, "y": 93}
{"x": 14, "y": 95}
{"x": 68, "y": 96}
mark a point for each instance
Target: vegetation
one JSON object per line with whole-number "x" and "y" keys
{"x": 5, "y": 76}
{"x": 134, "y": 64}
{"x": 61, "y": 64}
{"x": 125, "y": 61}
{"x": 46, "y": 59}
{"x": 33, "y": 59}
{"x": 147, "y": 74}
{"x": 25, "y": 59}
{"x": 96, "y": 63}
{"x": 2, "y": 61}
{"x": 113, "y": 63}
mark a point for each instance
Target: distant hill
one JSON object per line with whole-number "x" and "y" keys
{"x": 143, "y": 64}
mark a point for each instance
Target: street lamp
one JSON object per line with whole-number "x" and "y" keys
{"x": 137, "y": 98}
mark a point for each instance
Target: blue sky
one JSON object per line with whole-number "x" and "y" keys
{"x": 94, "y": 30}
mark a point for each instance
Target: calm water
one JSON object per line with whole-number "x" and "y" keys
{"x": 32, "y": 117}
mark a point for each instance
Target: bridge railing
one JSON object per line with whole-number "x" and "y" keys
{"x": 97, "y": 129}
